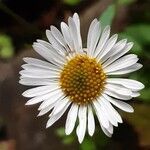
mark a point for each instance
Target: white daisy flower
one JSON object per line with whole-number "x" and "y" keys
{"x": 81, "y": 79}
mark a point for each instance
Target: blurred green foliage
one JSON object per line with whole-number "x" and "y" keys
{"x": 60, "y": 132}
{"x": 145, "y": 94}
{"x": 140, "y": 32}
{"x": 125, "y": 2}
{"x": 72, "y": 2}
{"x": 6, "y": 47}
{"x": 88, "y": 142}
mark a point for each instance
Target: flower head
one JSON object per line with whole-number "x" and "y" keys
{"x": 81, "y": 79}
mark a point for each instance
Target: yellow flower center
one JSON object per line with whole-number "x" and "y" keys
{"x": 82, "y": 79}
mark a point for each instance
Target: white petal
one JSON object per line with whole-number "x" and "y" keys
{"x": 128, "y": 83}
{"x": 93, "y": 37}
{"x": 71, "y": 119}
{"x": 66, "y": 35}
{"x": 74, "y": 35}
{"x": 44, "y": 53}
{"x": 135, "y": 94}
{"x": 91, "y": 121}
{"x": 111, "y": 109}
{"x": 56, "y": 33}
{"x": 118, "y": 47}
{"x": 55, "y": 56}
{"x": 126, "y": 70}
{"x": 58, "y": 94}
{"x": 38, "y": 99}
{"x": 54, "y": 118}
{"x": 60, "y": 106}
{"x": 39, "y": 63}
{"x": 36, "y": 82}
{"x": 107, "y": 47}
{"x": 110, "y": 128}
{"x": 92, "y": 25}
{"x": 40, "y": 90}
{"x": 115, "y": 49}
{"x": 108, "y": 113}
{"x": 39, "y": 74}
{"x": 118, "y": 55}
{"x": 119, "y": 89}
{"x": 106, "y": 131}
{"x": 121, "y": 63}
{"x": 100, "y": 114}
{"x": 46, "y": 110}
{"x": 81, "y": 129}
{"x": 122, "y": 105}
{"x": 34, "y": 100}
{"x": 104, "y": 37}
{"x": 77, "y": 22}
{"x": 61, "y": 50}
{"x": 47, "y": 54}
{"x": 117, "y": 95}
{"x": 33, "y": 68}
{"x": 55, "y": 44}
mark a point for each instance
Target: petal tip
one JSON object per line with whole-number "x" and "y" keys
{"x": 27, "y": 103}
{"x": 91, "y": 133}
{"x": 47, "y": 126}
{"x": 67, "y": 132}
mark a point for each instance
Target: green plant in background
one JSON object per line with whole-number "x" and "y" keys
{"x": 6, "y": 47}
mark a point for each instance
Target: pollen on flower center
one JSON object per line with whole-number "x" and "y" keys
{"x": 82, "y": 79}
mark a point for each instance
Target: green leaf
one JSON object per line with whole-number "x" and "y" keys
{"x": 6, "y": 47}
{"x": 72, "y": 2}
{"x": 107, "y": 16}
